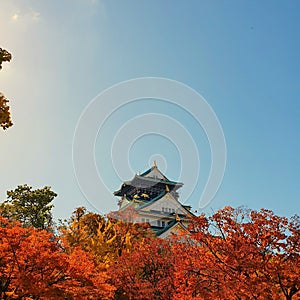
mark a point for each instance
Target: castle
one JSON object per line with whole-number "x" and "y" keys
{"x": 155, "y": 199}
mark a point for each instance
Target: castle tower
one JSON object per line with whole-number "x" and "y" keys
{"x": 155, "y": 199}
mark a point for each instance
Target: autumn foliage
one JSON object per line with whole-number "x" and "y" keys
{"x": 34, "y": 265}
{"x": 238, "y": 254}
{"x": 5, "y": 118}
{"x": 146, "y": 272}
{"x": 104, "y": 238}
{"x": 233, "y": 254}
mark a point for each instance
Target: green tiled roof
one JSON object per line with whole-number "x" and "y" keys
{"x": 157, "y": 180}
{"x": 154, "y": 199}
{"x": 165, "y": 179}
{"x": 171, "y": 224}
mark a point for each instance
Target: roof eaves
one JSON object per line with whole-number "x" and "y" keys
{"x": 172, "y": 224}
{"x": 154, "y": 199}
{"x": 146, "y": 172}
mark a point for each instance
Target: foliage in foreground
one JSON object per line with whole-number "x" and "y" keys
{"x": 34, "y": 265}
{"x": 234, "y": 254}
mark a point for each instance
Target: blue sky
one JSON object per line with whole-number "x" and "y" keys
{"x": 241, "y": 56}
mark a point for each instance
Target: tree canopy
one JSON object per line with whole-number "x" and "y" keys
{"x": 30, "y": 207}
{"x": 234, "y": 254}
{"x": 34, "y": 265}
{"x": 5, "y": 118}
{"x": 104, "y": 237}
{"x": 4, "y": 56}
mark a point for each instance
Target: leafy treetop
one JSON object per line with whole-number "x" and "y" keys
{"x": 4, "y": 56}
{"x": 5, "y": 119}
{"x": 30, "y": 207}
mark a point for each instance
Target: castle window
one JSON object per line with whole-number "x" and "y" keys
{"x": 158, "y": 223}
{"x": 163, "y": 224}
{"x": 143, "y": 220}
{"x": 163, "y": 209}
